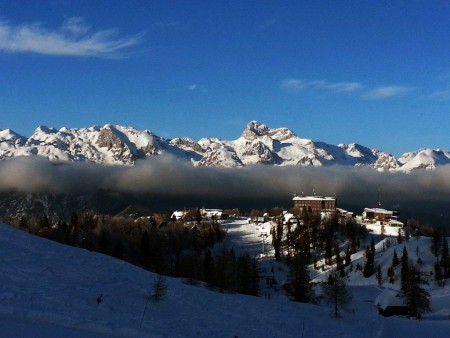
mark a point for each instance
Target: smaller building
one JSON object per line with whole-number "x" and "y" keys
{"x": 344, "y": 213}
{"x": 381, "y": 216}
{"x": 211, "y": 213}
{"x": 390, "y": 303}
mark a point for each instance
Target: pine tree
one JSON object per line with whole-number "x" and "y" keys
{"x": 395, "y": 259}
{"x": 391, "y": 274}
{"x": 445, "y": 258}
{"x": 379, "y": 274}
{"x": 256, "y": 276}
{"x": 208, "y": 267}
{"x": 299, "y": 278}
{"x": 348, "y": 258}
{"x": 405, "y": 268}
{"x": 369, "y": 265}
{"x": 337, "y": 293}
{"x": 436, "y": 243}
{"x": 248, "y": 276}
{"x": 416, "y": 297}
{"x": 225, "y": 271}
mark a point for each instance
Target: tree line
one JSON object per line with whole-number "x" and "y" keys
{"x": 158, "y": 243}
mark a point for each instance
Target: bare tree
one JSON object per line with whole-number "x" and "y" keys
{"x": 337, "y": 293}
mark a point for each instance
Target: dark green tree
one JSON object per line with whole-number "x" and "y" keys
{"x": 301, "y": 289}
{"x": 208, "y": 267}
{"x": 225, "y": 271}
{"x": 391, "y": 274}
{"x": 445, "y": 258}
{"x": 348, "y": 258}
{"x": 379, "y": 275}
{"x": 395, "y": 259}
{"x": 369, "y": 265}
{"x": 248, "y": 275}
{"x": 404, "y": 273}
{"x": 416, "y": 297}
{"x": 436, "y": 242}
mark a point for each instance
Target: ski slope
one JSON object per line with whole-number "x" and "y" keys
{"x": 49, "y": 290}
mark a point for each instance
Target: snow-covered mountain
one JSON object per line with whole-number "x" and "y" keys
{"x": 107, "y": 145}
{"x": 258, "y": 144}
{"x": 424, "y": 159}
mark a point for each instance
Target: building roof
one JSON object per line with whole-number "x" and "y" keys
{"x": 389, "y": 297}
{"x": 379, "y": 211}
{"x": 313, "y": 198}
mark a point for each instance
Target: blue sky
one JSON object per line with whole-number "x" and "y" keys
{"x": 372, "y": 72}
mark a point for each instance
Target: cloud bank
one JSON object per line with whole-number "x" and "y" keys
{"x": 166, "y": 176}
{"x": 73, "y": 38}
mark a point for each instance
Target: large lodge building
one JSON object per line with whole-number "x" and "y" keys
{"x": 315, "y": 203}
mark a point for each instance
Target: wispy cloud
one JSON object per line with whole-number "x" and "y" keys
{"x": 297, "y": 85}
{"x": 73, "y": 38}
{"x": 293, "y": 85}
{"x": 441, "y": 94}
{"x": 196, "y": 87}
{"x": 338, "y": 86}
{"x": 386, "y": 92}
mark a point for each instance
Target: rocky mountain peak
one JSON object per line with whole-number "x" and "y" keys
{"x": 109, "y": 138}
{"x": 254, "y": 130}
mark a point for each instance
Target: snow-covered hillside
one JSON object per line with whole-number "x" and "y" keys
{"x": 424, "y": 159}
{"x": 258, "y": 144}
{"x": 50, "y": 290}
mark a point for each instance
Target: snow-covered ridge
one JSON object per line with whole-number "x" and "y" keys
{"x": 258, "y": 144}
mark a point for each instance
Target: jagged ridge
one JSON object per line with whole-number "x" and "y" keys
{"x": 258, "y": 144}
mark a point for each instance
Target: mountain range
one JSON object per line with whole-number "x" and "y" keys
{"x": 258, "y": 144}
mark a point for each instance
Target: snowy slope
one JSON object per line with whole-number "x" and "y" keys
{"x": 424, "y": 159}
{"x": 107, "y": 145}
{"x": 258, "y": 144}
{"x": 50, "y": 290}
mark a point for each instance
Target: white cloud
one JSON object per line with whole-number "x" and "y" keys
{"x": 386, "y": 92}
{"x": 293, "y": 85}
{"x": 296, "y": 85}
{"x": 338, "y": 86}
{"x": 73, "y": 38}
{"x": 195, "y": 87}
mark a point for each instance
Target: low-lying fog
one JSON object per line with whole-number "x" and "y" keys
{"x": 424, "y": 195}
